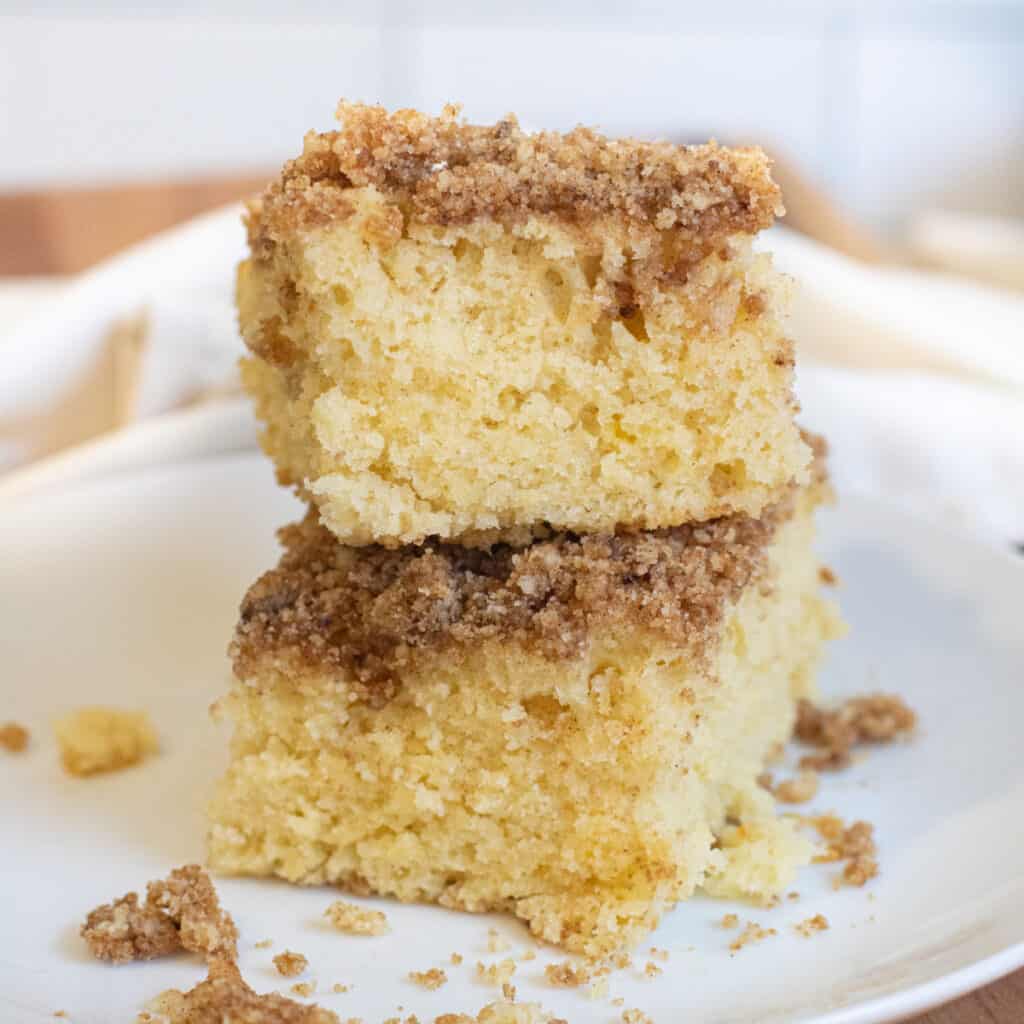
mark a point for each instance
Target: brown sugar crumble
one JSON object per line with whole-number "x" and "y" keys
{"x": 96, "y": 740}
{"x": 355, "y": 920}
{"x": 812, "y": 925}
{"x": 13, "y": 737}
{"x": 496, "y": 974}
{"x": 224, "y": 996}
{"x": 290, "y": 964}
{"x": 431, "y": 979}
{"x": 180, "y": 913}
{"x": 875, "y": 719}
{"x": 752, "y": 932}
{"x": 382, "y": 606}
{"x": 678, "y": 203}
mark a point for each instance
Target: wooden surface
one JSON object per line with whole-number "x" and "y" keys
{"x": 60, "y": 232}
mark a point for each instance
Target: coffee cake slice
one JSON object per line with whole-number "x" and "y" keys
{"x": 462, "y": 331}
{"x": 570, "y": 731}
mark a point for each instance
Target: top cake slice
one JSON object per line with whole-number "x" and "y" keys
{"x": 471, "y": 332}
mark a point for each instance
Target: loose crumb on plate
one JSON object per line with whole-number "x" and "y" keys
{"x": 339, "y": 988}
{"x": 355, "y": 920}
{"x": 508, "y": 991}
{"x": 263, "y": 944}
{"x": 180, "y": 912}
{"x": 224, "y": 996}
{"x": 431, "y": 979}
{"x": 877, "y": 718}
{"x": 812, "y": 925}
{"x": 290, "y": 964}
{"x": 496, "y": 942}
{"x": 529, "y": 955}
{"x": 659, "y": 954}
{"x": 798, "y": 790}
{"x": 854, "y": 844}
{"x": 14, "y": 738}
{"x": 636, "y": 1017}
{"x": 729, "y": 921}
{"x": 94, "y": 740}
{"x": 567, "y": 974}
{"x": 599, "y": 989}
{"x": 304, "y": 988}
{"x": 752, "y": 932}
{"x": 496, "y": 974}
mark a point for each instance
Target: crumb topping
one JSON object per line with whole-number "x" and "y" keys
{"x": 290, "y": 964}
{"x": 224, "y": 996}
{"x": 355, "y": 920}
{"x": 875, "y": 719}
{"x": 180, "y": 913}
{"x": 370, "y": 611}
{"x": 440, "y": 170}
{"x": 13, "y": 737}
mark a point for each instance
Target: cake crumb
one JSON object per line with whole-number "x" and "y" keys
{"x": 224, "y": 996}
{"x": 659, "y": 954}
{"x": 496, "y": 943}
{"x": 792, "y": 896}
{"x": 854, "y": 844}
{"x": 651, "y": 969}
{"x": 431, "y": 979}
{"x": 729, "y": 921}
{"x": 456, "y": 958}
{"x": 807, "y": 928}
{"x": 263, "y": 944}
{"x": 798, "y": 790}
{"x": 599, "y": 989}
{"x": 827, "y": 576}
{"x": 14, "y": 738}
{"x": 496, "y": 974}
{"x": 94, "y": 740}
{"x": 290, "y": 964}
{"x": 60, "y": 1013}
{"x": 529, "y": 955}
{"x": 180, "y": 912}
{"x": 567, "y": 974}
{"x": 618, "y": 1001}
{"x": 752, "y": 932}
{"x": 304, "y": 988}
{"x": 339, "y": 988}
{"x": 874, "y": 719}
{"x": 636, "y": 1017}
{"x": 508, "y": 991}
{"x": 355, "y": 920}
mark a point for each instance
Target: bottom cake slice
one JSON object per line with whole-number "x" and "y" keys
{"x": 569, "y": 731}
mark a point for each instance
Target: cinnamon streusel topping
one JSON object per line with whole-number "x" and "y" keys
{"x": 368, "y": 611}
{"x": 440, "y": 170}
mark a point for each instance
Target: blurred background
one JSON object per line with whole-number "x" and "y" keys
{"x": 883, "y": 115}
{"x": 897, "y": 129}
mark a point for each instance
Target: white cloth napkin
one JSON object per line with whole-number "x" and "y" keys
{"x": 916, "y": 378}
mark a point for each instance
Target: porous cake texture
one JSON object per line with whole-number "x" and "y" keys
{"x": 570, "y": 730}
{"x": 464, "y": 331}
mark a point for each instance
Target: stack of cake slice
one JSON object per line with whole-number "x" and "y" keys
{"x": 555, "y": 597}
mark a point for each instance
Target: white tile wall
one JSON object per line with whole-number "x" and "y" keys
{"x": 893, "y": 106}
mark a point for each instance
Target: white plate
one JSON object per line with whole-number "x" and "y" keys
{"x": 124, "y": 589}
